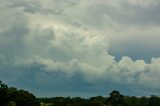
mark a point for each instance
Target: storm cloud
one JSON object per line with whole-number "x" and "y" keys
{"x": 72, "y": 46}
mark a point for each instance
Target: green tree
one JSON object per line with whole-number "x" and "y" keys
{"x": 132, "y": 101}
{"x": 3, "y": 94}
{"x": 144, "y": 101}
{"x": 13, "y": 97}
{"x": 97, "y": 101}
{"x": 154, "y": 100}
{"x": 116, "y": 99}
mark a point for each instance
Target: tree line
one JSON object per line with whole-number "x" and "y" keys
{"x": 10, "y": 96}
{"x": 115, "y": 99}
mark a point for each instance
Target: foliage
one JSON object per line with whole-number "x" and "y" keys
{"x": 10, "y": 96}
{"x": 115, "y": 99}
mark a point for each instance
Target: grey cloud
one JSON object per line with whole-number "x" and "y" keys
{"x": 71, "y": 81}
{"x": 136, "y": 43}
{"x": 55, "y": 7}
{"x": 12, "y": 41}
{"x": 129, "y": 14}
{"x": 128, "y": 71}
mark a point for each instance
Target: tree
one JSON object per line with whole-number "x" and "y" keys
{"x": 11, "y": 96}
{"x": 97, "y": 101}
{"x": 116, "y": 99}
{"x": 154, "y": 100}
{"x": 132, "y": 101}
{"x": 144, "y": 101}
{"x": 3, "y": 94}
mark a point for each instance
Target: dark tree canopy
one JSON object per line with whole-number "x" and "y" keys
{"x": 116, "y": 99}
{"x": 10, "y": 96}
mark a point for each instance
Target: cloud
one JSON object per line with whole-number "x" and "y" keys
{"x": 65, "y": 45}
{"x": 43, "y": 7}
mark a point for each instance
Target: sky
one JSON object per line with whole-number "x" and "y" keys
{"x": 80, "y": 47}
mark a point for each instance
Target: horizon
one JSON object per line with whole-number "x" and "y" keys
{"x": 79, "y": 47}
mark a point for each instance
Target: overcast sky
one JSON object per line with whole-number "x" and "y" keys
{"x": 80, "y": 47}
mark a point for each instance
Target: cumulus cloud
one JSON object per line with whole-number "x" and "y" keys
{"x": 65, "y": 45}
